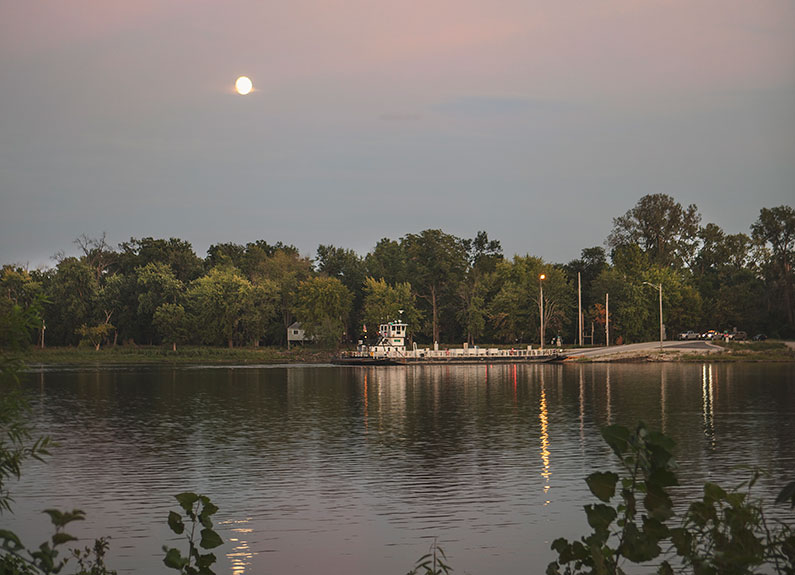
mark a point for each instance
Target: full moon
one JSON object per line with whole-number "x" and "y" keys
{"x": 243, "y": 85}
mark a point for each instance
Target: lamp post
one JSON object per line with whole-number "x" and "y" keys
{"x": 659, "y": 287}
{"x": 541, "y": 279}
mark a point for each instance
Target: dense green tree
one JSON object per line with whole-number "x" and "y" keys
{"x": 774, "y": 232}
{"x": 118, "y": 302}
{"x": 261, "y": 310}
{"x": 176, "y": 253}
{"x": 226, "y": 254}
{"x": 384, "y": 303}
{"x": 732, "y": 295}
{"x": 514, "y": 310}
{"x": 511, "y": 313}
{"x": 95, "y": 335}
{"x": 322, "y": 305}
{"x": 634, "y": 305}
{"x": 73, "y": 297}
{"x": 661, "y": 227}
{"x": 217, "y": 304}
{"x": 472, "y": 311}
{"x": 591, "y": 263}
{"x": 736, "y": 301}
{"x": 387, "y": 261}
{"x": 287, "y": 269}
{"x": 157, "y": 285}
{"x": 348, "y": 267}
{"x": 18, "y": 286}
{"x": 171, "y": 323}
{"x": 436, "y": 262}
{"x": 478, "y": 285}
{"x": 20, "y": 294}
{"x": 97, "y": 254}
{"x": 483, "y": 254}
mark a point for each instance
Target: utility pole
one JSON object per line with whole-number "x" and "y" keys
{"x": 579, "y": 306}
{"x": 541, "y": 279}
{"x": 607, "y": 320}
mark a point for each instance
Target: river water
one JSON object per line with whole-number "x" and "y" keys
{"x": 322, "y": 469}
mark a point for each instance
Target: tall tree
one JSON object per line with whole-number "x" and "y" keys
{"x": 435, "y": 263}
{"x": 226, "y": 254}
{"x": 661, "y": 227}
{"x": 171, "y": 323}
{"x": 217, "y": 304}
{"x": 287, "y": 269}
{"x": 19, "y": 294}
{"x": 384, "y": 303}
{"x": 477, "y": 285}
{"x": 97, "y": 253}
{"x": 73, "y": 297}
{"x": 387, "y": 261}
{"x": 515, "y": 311}
{"x": 322, "y": 305}
{"x": 348, "y": 267}
{"x": 774, "y": 231}
{"x": 634, "y": 305}
{"x": 176, "y": 253}
{"x": 591, "y": 263}
{"x": 261, "y": 310}
{"x": 157, "y": 284}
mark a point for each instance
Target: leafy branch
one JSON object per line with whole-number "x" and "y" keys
{"x": 197, "y": 509}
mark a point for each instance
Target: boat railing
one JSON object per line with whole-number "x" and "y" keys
{"x": 426, "y": 353}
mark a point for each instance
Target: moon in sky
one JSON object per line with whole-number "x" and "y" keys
{"x": 243, "y": 85}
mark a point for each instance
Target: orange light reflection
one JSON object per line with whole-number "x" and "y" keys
{"x": 241, "y": 555}
{"x": 543, "y": 417}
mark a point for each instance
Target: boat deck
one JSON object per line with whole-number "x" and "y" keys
{"x": 473, "y": 355}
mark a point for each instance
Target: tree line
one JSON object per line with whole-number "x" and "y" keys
{"x": 448, "y": 289}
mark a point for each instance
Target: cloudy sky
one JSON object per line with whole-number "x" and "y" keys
{"x": 535, "y": 120}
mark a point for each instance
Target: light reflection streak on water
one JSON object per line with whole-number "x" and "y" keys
{"x": 543, "y": 416}
{"x": 515, "y": 400}
{"x": 365, "y": 402}
{"x": 707, "y": 399}
{"x": 582, "y": 409}
{"x": 607, "y": 393}
{"x": 241, "y": 555}
{"x": 662, "y": 400}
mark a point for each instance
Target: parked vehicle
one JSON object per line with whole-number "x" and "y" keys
{"x": 688, "y": 335}
{"x": 760, "y": 337}
{"x": 710, "y": 335}
{"x": 740, "y": 336}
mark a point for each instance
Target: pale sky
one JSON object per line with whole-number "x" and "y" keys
{"x": 537, "y": 121}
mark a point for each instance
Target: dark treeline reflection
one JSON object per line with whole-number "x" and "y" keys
{"x": 353, "y": 468}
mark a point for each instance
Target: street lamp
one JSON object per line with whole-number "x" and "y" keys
{"x": 541, "y": 279}
{"x": 661, "y": 318}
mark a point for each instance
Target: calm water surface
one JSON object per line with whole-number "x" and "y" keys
{"x": 352, "y": 470}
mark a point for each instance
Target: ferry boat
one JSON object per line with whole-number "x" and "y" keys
{"x": 391, "y": 350}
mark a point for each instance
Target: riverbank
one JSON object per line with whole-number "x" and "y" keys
{"x": 723, "y": 352}
{"x": 771, "y": 351}
{"x": 142, "y": 354}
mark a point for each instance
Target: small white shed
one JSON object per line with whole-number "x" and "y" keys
{"x": 295, "y": 334}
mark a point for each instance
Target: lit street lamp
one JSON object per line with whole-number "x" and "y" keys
{"x": 541, "y": 279}
{"x": 661, "y": 317}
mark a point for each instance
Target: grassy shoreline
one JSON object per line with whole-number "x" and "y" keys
{"x": 140, "y": 355}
